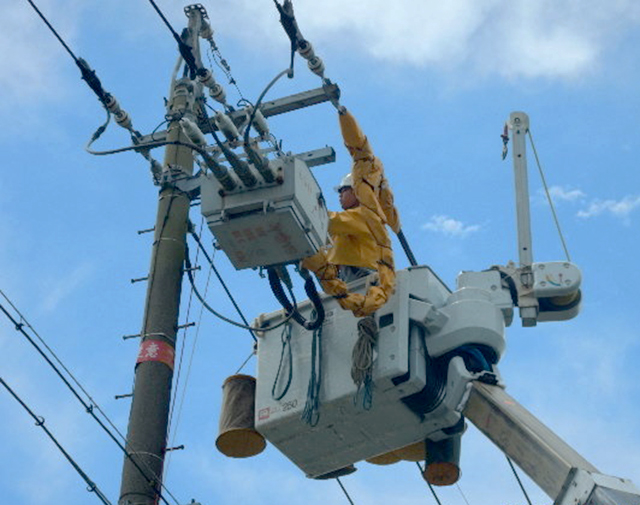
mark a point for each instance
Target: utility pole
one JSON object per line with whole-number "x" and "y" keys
{"x": 149, "y": 416}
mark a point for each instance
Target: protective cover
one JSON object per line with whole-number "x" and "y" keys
{"x": 237, "y": 435}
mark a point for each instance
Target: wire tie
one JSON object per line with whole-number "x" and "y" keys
{"x": 178, "y": 448}
{"x": 40, "y": 421}
{"x": 133, "y": 281}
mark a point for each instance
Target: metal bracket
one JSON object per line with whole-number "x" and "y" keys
{"x": 590, "y": 488}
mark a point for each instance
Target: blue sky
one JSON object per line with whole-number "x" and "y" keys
{"x": 432, "y": 84}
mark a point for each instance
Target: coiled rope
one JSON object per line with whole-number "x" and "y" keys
{"x": 362, "y": 358}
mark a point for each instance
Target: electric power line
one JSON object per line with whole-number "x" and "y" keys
{"x": 91, "y": 486}
{"x": 185, "y": 50}
{"x": 88, "y": 75}
{"x": 433, "y": 491}
{"x": 513, "y": 469}
{"x": 220, "y": 279}
{"x": 89, "y": 407}
{"x": 344, "y": 491}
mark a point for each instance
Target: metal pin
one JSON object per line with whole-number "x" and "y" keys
{"x": 120, "y": 397}
{"x": 133, "y": 281}
{"x": 149, "y": 230}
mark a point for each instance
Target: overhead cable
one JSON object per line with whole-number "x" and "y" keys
{"x": 433, "y": 491}
{"x": 185, "y": 50}
{"x": 173, "y": 426}
{"x": 89, "y": 407}
{"x": 88, "y": 75}
{"x": 195, "y": 236}
{"x": 344, "y": 491}
{"x": 216, "y": 313}
{"x": 91, "y": 486}
{"x": 524, "y": 491}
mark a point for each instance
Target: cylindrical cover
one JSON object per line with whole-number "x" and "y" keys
{"x": 414, "y": 452}
{"x": 443, "y": 461}
{"x": 238, "y": 437}
{"x": 388, "y": 458}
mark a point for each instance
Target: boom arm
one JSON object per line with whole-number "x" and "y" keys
{"x": 550, "y": 462}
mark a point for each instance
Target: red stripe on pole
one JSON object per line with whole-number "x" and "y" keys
{"x": 156, "y": 350}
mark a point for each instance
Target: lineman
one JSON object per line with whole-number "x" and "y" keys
{"x": 360, "y": 241}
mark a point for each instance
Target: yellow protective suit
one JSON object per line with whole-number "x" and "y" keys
{"x": 359, "y": 236}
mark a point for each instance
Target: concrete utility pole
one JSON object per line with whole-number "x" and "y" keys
{"x": 148, "y": 421}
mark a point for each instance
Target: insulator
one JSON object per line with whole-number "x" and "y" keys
{"x": 156, "y": 169}
{"x": 316, "y": 66}
{"x": 123, "y": 119}
{"x": 259, "y": 121}
{"x": 305, "y": 49}
{"x": 226, "y": 126}
{"x": 218, "y": 94}
{"x": 193, "y": 132}
{"x": 205, "y": 76}
{"x": 112, "y": 104}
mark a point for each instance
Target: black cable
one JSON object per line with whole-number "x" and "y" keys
{"x": 406, "y": 248}
{"x": 220, "y": 279}
{"x": 91, "y": 486}
{"x": 53, "y": 31}
{"x": 185, "y": 50}
{"x": 290, "y": 25}
{"x": 513, "y": 469}
{"x": 275, "y": 282}
{"x": 311, "y": 412}
{"x": 285, "y": 338}
{"x": 433, "y": 491}
{"x": 88, "y": 408}
{"x": 215, "y": 312}
{"x": 88, "y": 75}
{"x": 344, "y": 490}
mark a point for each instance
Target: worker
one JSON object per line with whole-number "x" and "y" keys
{"x": 360, "y": 242}
{"x": 348, "y": 200}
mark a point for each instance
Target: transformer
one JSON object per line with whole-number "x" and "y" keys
{"x": 269, "y": 224}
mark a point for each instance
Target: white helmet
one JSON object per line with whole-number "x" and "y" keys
{"x": 346, "y": 182}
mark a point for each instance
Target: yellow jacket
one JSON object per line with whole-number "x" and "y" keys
{"x": 359, "y": 236}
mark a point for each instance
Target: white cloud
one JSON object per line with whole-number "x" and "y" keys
{"x": 560, "y": 39}
{"x": 617, "y": 208}
{"x": 449, "y": 226}
{"x": 60, "y": 289}
{"x": 512, "y": 39}
{"x": 560, "y": 194}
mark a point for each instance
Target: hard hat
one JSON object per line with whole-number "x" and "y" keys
{"x": 346, "y": 182}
